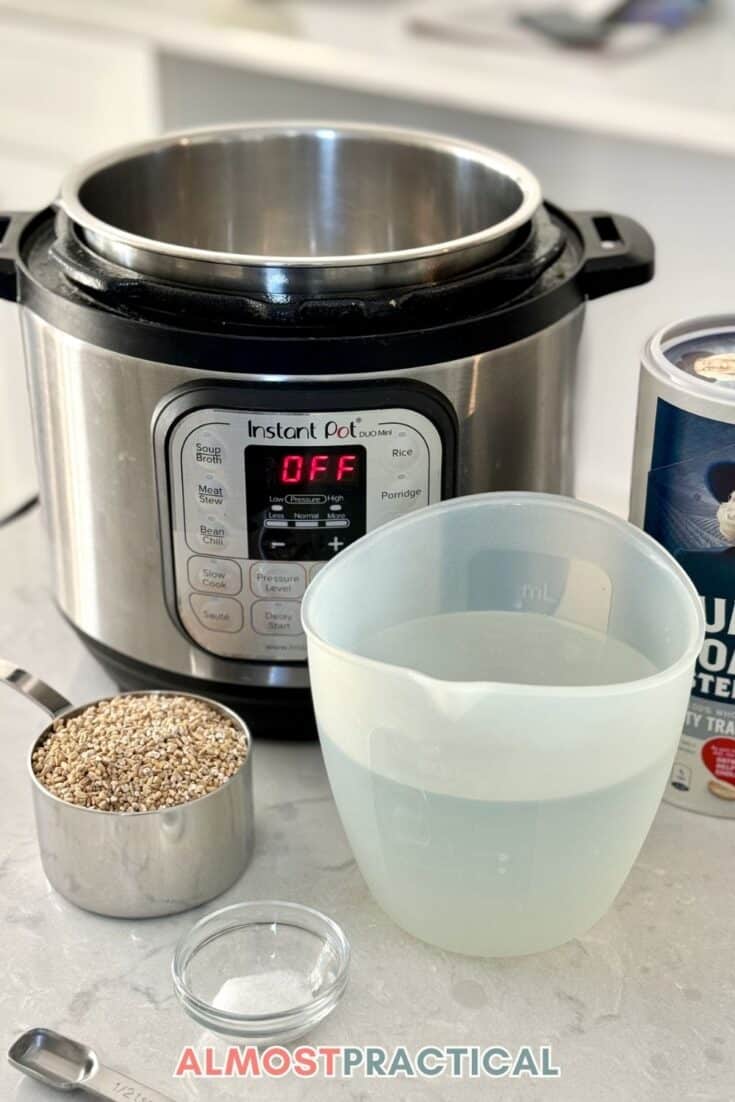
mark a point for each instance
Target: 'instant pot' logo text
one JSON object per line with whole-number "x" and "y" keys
{"x": 330, "y": 430}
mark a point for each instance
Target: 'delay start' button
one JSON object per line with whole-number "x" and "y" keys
{"x": 276, "y": 617}
{"x": 217, "y": 613}
{"x": 215, "y": 575}
{"x": 272, "y": 580}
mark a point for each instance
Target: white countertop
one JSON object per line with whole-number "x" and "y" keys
{"x": 682, "y": 93}
{"x": 641, "y": 1009}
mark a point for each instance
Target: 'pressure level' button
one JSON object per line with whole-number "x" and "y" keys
{"x": 273, "y": 580}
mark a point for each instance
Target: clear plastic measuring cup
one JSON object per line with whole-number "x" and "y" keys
{"x": 500, "y": 682}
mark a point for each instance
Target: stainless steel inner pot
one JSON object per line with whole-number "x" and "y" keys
{"x": 301, "y": 207}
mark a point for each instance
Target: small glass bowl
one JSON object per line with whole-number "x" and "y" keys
{"x": 265, "y": 971}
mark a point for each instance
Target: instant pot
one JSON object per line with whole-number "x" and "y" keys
{"x": 248, "y": 346}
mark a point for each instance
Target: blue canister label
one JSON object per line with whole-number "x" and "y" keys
{"x": 690, "y": 509}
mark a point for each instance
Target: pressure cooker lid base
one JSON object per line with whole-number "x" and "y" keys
{"x": 532, "y": 251}
{"x": 565, "y": 261}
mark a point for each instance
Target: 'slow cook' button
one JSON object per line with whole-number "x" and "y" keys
{"x": 277, "y": 617}
{"x": 217, "y": 613}
{"x": 276, "y": 580}
{"x": 215, "y": 575}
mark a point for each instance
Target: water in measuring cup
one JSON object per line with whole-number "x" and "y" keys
{"x": 495, "y": 877}
{"x": 522, "y": 647}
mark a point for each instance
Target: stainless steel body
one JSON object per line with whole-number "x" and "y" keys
{"x": 140, "y": 864}
{"x": 301, "y": 207}
{"x": 67, "y": 1065}
{"x": 93, "y": 411}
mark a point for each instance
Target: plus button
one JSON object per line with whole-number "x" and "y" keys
{"x": 336, "y": 544}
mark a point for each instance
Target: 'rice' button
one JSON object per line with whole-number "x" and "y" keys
{"x": 274, "y": 580}
{"x": 217, "y": 613}
{"x": 404, "y": 448}
{"x": 215, "y": 575}
{"x": 277, "y": 617}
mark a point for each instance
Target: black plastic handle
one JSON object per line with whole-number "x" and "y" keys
{"x": 12, "y": 225}
{"x": 619, "y": 253}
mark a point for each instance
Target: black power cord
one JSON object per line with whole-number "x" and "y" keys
{"x": 19, "y": 512}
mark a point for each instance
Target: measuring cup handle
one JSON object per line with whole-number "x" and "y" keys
{"x": 32, "y": 687}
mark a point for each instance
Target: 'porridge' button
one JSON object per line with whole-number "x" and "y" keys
{"x": 277, "y": 617}
{"x": 217, "y": 613}
{"x": 215, "y": 575}
{"x": 269, "y": 579}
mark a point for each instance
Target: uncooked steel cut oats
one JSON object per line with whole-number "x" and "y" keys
{"x": 140, "y": 753}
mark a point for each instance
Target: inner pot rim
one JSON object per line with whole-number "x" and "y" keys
{"x": 104, "y": 232}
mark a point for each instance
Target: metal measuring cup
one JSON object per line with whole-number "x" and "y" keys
{"x": 139, "y": 864}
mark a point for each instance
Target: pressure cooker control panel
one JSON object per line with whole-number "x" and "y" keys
{"x": 259, "y": 501}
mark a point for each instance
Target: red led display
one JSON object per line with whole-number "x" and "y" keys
{"x": 297, "y": 469}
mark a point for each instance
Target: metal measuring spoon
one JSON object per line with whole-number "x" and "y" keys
{"x": 67, "y": 1065}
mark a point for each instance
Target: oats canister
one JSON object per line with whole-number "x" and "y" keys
{"x": 683, "y": 494}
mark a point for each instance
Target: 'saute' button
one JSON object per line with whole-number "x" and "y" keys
{"x": 217, "y": 613}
